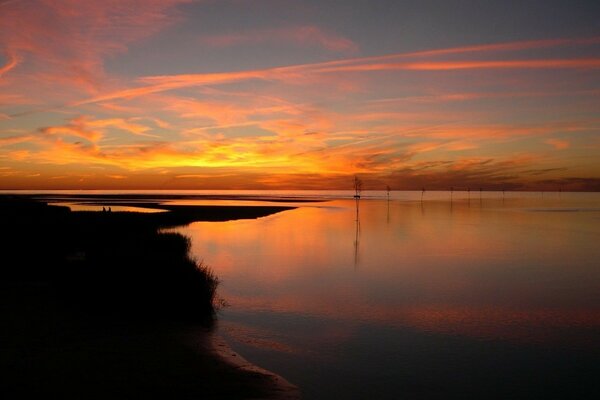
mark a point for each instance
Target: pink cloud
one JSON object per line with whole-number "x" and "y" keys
{"x": 300, "y": 35}
{"x": 587, "y": 63}
{"x": 13, "y": 61}
{"x": 509, "y": 46}
{"x": 395, "y": 62}
{"x": 157, "y": 84}
{"x": 69, "y": 39}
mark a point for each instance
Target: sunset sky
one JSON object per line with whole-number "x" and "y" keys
{"x": 299, "y": 94}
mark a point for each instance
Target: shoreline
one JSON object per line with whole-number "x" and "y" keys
{"x": 61, "y": 338}
{"x": 282, "y": 389}
{"x": 46, "y": 345}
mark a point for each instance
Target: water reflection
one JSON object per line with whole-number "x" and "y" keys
{"x": 467, "y": 257}
{"x": 103, "y": 207}
{"x": 357, "y": 233}
{"x": 504, "y": 271}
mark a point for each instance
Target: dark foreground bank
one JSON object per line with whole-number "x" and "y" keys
{"x": 103, "y": 305}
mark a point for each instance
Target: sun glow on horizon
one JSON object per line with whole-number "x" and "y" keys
{"x": 136, "y": 94}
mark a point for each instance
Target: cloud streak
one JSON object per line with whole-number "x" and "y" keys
{"x": 68, "y": 40}
{"x": 488, "y": 114}
{"x": 308, "y": 35}
{"x": 289, "y": 74}
{"x": 13, "y": 61}
{"x": 587, "y": 63}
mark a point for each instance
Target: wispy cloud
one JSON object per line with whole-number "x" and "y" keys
{"x": 591, "y": 63}
{"x": 299, "y": 35}
{"x": 510, "y": 46}
{"x": 15, "y": 139}
{"x": 68, "y": 40}
{"x": 77, "y": 127}
{"x": 12, "y": 62}
{"x": 394, "y": 62}
{"x": 93, "y": 130}
{"x": 427, "y": 118}
{"x": 558, "y": 144}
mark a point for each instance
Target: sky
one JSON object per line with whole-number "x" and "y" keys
{"x": 299, "y": 94}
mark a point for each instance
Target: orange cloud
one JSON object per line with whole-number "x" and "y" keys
{"x": 10, "y": 140}
{"x": 295, "y": 151}
{"x": 592, "y": 63}
{"x": 123, "y": 124}
{"x": 558, "y": 144}
{"x": 78, "y": 127}
{"x": 93, "y": 130}
{"x": 509, "y": 46}
{"x": 316, "y": 121}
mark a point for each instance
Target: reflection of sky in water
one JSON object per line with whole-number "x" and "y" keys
{"x": 230, "y": 202}
{"x": 99, "y": 207}
{"x": 430, "y": 298}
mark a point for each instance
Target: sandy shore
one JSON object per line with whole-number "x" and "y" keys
{"x": 278, "y": 387}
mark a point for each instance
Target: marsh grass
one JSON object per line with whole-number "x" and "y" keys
{"x": 106, "y": 263}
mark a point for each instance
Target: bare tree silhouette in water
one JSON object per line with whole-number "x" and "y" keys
{"x": 357, "y": 192}
{"x": 357, "y": 187}
{"x": 356, "y": 243}
{"x": 388, "y": 190}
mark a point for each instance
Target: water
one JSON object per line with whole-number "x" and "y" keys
{"x": 495, "y": 296}
{"x": 100, "y": 207}
{"x": 490, "y": 295}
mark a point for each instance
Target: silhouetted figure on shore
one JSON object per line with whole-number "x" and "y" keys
{"x": 103, "y": 209}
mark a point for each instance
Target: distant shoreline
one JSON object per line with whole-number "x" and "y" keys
{"x": 262, "y": 193}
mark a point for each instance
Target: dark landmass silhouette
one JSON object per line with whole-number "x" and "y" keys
{"x": 105, "y": 305}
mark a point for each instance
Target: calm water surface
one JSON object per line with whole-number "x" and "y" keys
{"x": 484, "y": 298}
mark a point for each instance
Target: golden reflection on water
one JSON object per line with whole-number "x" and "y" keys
{"x": 490, "y": 270}
{"x": 100, "y": 207}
